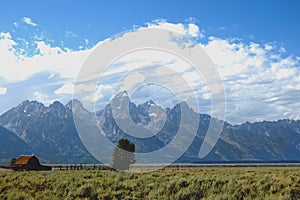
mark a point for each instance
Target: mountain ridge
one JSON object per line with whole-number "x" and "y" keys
{"x": 51, "y": 133}
{"x": 11, "y": 145}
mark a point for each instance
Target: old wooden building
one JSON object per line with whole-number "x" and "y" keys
{"x": 27, "y": 163}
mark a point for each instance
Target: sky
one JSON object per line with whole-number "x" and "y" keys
{"x": 254, "y": 45}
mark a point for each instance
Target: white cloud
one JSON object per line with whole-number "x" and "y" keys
{"x": 132, "y": 79}
{"x": 261, "y": 84}
{"x": 52, "y": 75}
{"x": 28, "y": 21}
{"x": 5, "y": 36}
{"x": 233, "y": 58}
{"x": 46, "y": 49}
{"x": 67, "y": 88}
{"x": 268, "y": 47}
{"x": 41, "y": 97}
{"x": 188, "y": 30}
{"x": 91, "y": 94}
{"x": 194, "y": 30}
{"x": 255, "y": 75}
{"x": 70, "y": 34}
{"x": 282, "y": 50}
{"x": 16, "y": 67}
{"x": 260, "y": 81}
{"x": 3, "y": 90}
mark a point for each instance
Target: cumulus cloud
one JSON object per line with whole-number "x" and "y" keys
{"x": 261, "y": 82}
{"x": 184, "y": 29}
{"x": 100, "y": 93}
{"x": 3, "y": 90}
{"x": 42, "y": 97}
{"x": 28, "y": 21}
{"x": 15, "y": 67}
{"x": 67, "y": 88}
{"x": 255, "y": 76}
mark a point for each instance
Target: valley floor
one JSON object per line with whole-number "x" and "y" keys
{"x": 184, "y": 183}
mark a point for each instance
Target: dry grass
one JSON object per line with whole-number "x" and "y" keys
{"x": 186, "y": 183}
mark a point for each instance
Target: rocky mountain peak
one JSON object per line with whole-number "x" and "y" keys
{"x": 51, "y": 133}
{"x": 30, "y": 106}
{"x": 121, "y": 95}
{"x": 150, "y": 103}
{"x": 73, "y": 103}
{"x": 56, "y": 105}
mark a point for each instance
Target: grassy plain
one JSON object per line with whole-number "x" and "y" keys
{"x": 199, "y": 183}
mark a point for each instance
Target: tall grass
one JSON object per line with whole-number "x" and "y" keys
{"x": 204, "y": 183}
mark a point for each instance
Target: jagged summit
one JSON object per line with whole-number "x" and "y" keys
{"x": 57, "y": 105}
{"x": 73, "y": 102}
{"x": 121, "y": 94}
{"x": 28, "y": 103}
{"x": 51, "y": 133}
{"x": 150, "y": 103}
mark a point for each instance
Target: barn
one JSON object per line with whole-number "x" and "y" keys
{"x": 27, "y": 163}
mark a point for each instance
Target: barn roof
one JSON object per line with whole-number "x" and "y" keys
{"x": 23, "y": 160}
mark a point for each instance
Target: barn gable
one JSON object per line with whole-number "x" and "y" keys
{"x": 27, "y": 163}
{"x": 27, "y": 160}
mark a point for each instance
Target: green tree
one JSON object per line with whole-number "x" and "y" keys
{"x": 123, "y": 155}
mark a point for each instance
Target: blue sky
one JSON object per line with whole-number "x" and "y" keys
{"x": 265, "y": 31}
{"x": 266, "y": 21}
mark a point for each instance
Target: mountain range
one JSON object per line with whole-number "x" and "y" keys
{"x": 49, "y": 133}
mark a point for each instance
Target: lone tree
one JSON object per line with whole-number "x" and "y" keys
{"x": 123, "y": 155}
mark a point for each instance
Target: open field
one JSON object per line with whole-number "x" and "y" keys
{"x": 185, "y": 183}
